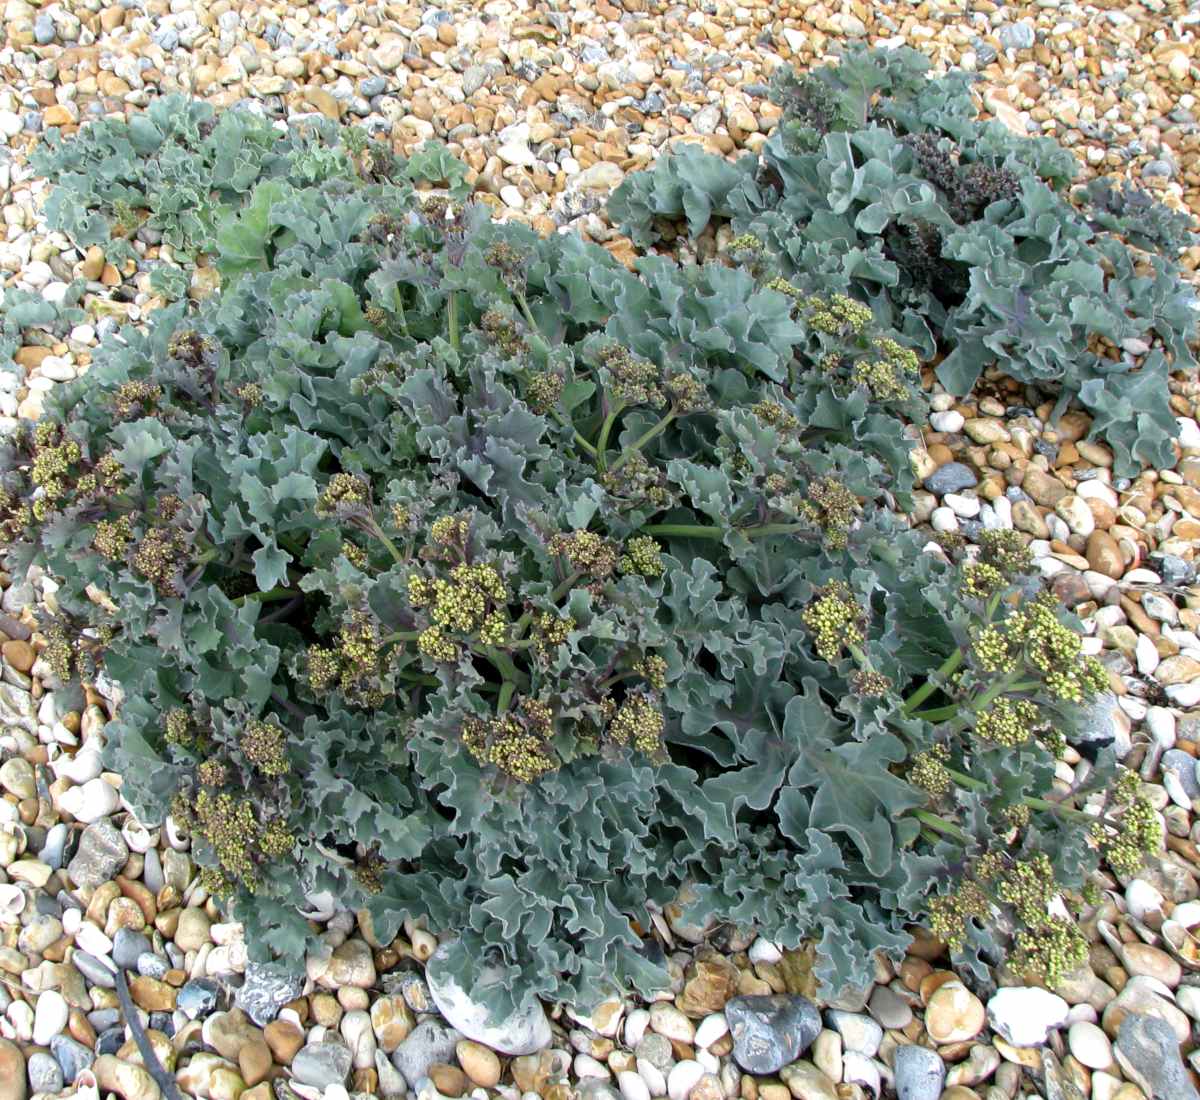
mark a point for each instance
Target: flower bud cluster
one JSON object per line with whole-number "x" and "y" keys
{"x": 839, "y": 314}
{"x": 1008, "y": 722}
{"x": 516, "y": 742}
{"x": 835, "y": 620}
{"x": 830, "y": 506}
{"x": 630, "y": 379}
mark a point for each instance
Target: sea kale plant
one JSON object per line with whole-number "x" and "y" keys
{"x": 885, "y": 185}
{"x": 469, "y": 575}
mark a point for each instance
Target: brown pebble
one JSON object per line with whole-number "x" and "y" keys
{"x": 19, "y": 655}
{"x": 285, "y": 1039}
{"x": 255, "y": 1061}
{"x": 448, "y": 1080}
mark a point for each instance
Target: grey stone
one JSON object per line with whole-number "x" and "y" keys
{"x": 1158, "y": 169}
{"x": 110, "y": 1041}
{"x": 371, "y": 86}
{"x": 1183, "y": 767}
{"x": 522, "y": 1031}
{"x": 1172, "y": 568}
{"x": 102, "y": 1019}
{"x": 473, "y": 79}
{"x": 93, "y": 970}
{"x": 322, "y": 1064}
{"x": 951, "y": 477}
{"x": 167, "y": 38}
{"x": 1098, "y": 726}
{"x": 55, "y": 846}
{"x": 1149, "y": 1053}
{"x": 657, "y": 1050}
{"x": 771, "y": 1032}
{"x": 920, "y": 1073}
{"x": 1016, "y": 36}
{"x": 128, "y": 947}
{"x": 45, "y": 1074}
{"x": 102, "y": 853}
{"x": 198, "y": 997}
{"x": 150, "y": 965}
{"x": 266, "y": 990}
{"x": 44, "y": 32}
{"x": 152, "y": 872}
{"x": 430, "y": 1041}
{"x": 72, "y": 1057}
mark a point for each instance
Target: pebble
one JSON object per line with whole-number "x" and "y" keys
{"x": 860, "y": 1034}
{"x": 50, "y": 1017}
{"x": 954, "y": 1014}
{"x": 45, "y": 1074}
{"x": 769, "y": 1032}
{"x": 429, "y": 1042}
{"x": 1089, "y": 1045}
{"x": 919, "y": 1073}
{"x": 1026, "y": 1015}
{"x": 72, "y": 1056}
{"x": 1148, "y": 1051}
{"x": 951, "y": 477}
{"x": 322, "y": 1064}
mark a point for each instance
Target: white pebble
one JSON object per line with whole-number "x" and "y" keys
{"x": 632, "y": 1086}
{"x": 1161, "y": 724}
{"x": 652, "y": 1075}
{"x": 635, "y": 1026}
{"x": 858, "y": 1069}
{"x": 1025, "y": 1015}
{"x": 965, "y": 506}
{"x": 762, "y": 950}
{"x": 1147, "y": 655}
{"x": 682, "y": 1079}
{"x": 91, "y": 801}
{"x": 1142, "y": 899}
{"x": 711, "y": 1028}
{"x": 949, "y": 421}
{"x": 1090, "y": 1045}
{"x": 943, "y": 519}
{"x": 92, "y": 940}
{"x": 1002, "y": 506}
{"x": 56, "y": 369}
{"x": 587, "y": 1066}
{"x": 50, "y": 1017}
{"x": 1189, "y": 431}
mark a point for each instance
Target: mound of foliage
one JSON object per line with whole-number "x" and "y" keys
{"x": 885, "y": 185}
{"x": 464, "y": 574}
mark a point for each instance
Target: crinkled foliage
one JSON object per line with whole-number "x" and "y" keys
{"x": 885, "y": 185}
{"x": 467, "y": 574}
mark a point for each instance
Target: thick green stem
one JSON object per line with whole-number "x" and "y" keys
{"x": 400, "y": 636}
{"x": 523, "y": 302}
{"x": 948, "y": 667}
{"x": 269, "y": 596}
{"x": 503, "y": 662}
{"x": 938, "y": 714}
{"x": 645, "y": 438}
{"x": 701, "y": 531}
{"x": 392, "y": 548}
{"x": 506, "y": 693}
{"x": 452, "y": 320}
{"x": 419, "y": 678}
{"x": 602, "y": 440}
{"x": 938, "y": 825}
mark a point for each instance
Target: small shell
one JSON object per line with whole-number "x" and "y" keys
{"x": 12, "y": 903}
{"x": 137, "y": 836}
{"x": 1181, "y": 945}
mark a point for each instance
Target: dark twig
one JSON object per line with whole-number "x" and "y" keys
{"x": 162, "y": 1078}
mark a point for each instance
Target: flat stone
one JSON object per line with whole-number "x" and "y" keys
{"x": 951, "y": 477}
{"x": 769, "y": 1032}
{"x": 429, "y": 1042}
{"x": 1148, "y": 1051}
{"x": 267, "y": 988}
{"x": 322, "y": 1064}
{"x": 102, "y": 852}
{"x": 1025, "y": 1016}
{"x": 919, "y": 1072}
